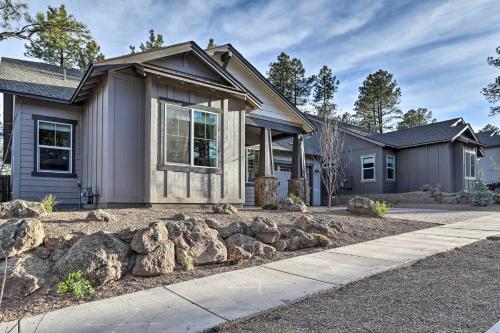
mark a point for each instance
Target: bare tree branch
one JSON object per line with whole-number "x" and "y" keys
{"x": 4, "y": 275}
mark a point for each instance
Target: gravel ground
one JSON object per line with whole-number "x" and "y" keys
{"x": 355, "y": 229}
{"x": 437, "y": 215}
{"x": 453, "y": 292}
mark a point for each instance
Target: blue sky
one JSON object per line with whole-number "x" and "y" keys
{"x": 436, "y": 50}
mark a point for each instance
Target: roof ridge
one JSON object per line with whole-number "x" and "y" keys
{"x": 424, "y": 125}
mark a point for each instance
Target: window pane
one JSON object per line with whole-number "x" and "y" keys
{"x": 390, "y": 161}
{"x": 178, "y": 129}
{"x": 211, "y": 126}
{"x": 205, "y": 152}
{"x": 54, "y": 159}
{"x": 390, "y": 173}
{"x": 252, "y": 164}
{"x": 368, "y": 162}
{"x": 46, "y": 133}
{"x": 63, "y": 135}
{"x": 368, "y": 174}
{"x": 178, "y": 149}
{"x": 467, "y": 164}
{"x": 199, "y": 124}
{"x": 473, "y": 165}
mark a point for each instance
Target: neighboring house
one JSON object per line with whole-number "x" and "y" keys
{"x": 489, "y": 165}
{"x": 168, "y": 126}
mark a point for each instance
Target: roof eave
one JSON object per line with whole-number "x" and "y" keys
{"x": 39, "y": 97}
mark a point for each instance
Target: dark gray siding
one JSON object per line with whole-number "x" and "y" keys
{"x": 389, "y": 186}
{"x": 486, "y": 166}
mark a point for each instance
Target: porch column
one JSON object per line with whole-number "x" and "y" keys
{"x": 266, "y": 183}
{"x": 297, "y": 184}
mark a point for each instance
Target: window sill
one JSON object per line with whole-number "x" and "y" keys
{"x": 187, "y": 168}
{"x": 53, "y": 174}
{"x": 369, "y": 181}
{"x": 390, "y": 180}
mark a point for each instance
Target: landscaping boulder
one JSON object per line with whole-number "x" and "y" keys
{"x": 298, "y": 239}
{"x": 264, "y": 230}
{"x": 361, "y": 206}
{"x": 25, "y": 275}
{"x": 127, "y": 234}
{"x": 280, "y": 245}
{"x": 147, "y": 239}
{"x": 292, "y": 206}
{"x": 19, "y": 236}
{"x": 195, "y": 239}
{"x": 42, "y": 252}
{"x": 213, "y": 223}
{"x": 53, "y": 243}
{"x": 100, "y": 215}
{"x": 160, "y": 261}
{"x": 224, "y": 209}
{"x": 21, "y": 208}
{"x": 101, "y": 257}
{"x": 241, "y": 247}
{"x": 309, "y": 224}
{"x": 181, "y": 217}
{"x": 234, "y": 228}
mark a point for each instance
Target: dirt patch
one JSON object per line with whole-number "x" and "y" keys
{"x": 450, "y": 292}
{"x": 355, "y": 229}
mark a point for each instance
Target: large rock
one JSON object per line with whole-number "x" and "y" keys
{"x": 147, "y": 239}
{"x": 241, "y": 247}
{"x": 292, "y": 206}
{"x": 25, "y": 275}
{"x": 298, "y": 239}
{"x": 195, "y": 239}
{"x": 361, "y": 206}
{"x": 100, "y": 215}
{"x": 309, "y": 224}
{"x": 234, "y": 228}
{"x": 19, "y": 236}
{"x": 224, "y": 209}
{"x": 160, "y": 261}
{"x": 101, "y": 257}
{"x": 21, "y": 208}
{"x": 264, "y": 230}
{"x": 59, "y": 242}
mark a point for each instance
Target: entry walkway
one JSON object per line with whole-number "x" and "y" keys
{"x": 201, "y": 304}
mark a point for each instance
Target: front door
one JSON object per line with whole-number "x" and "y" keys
{"x": 283, "y": 172}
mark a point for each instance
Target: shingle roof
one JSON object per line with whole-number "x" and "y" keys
{"x": 490, "y": 138}
{"x": 37, "y": 79}
{"x": 435, "y": 132}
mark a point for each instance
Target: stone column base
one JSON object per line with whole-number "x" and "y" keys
{"x": 266, "y": 191}
{"x": 299, "y": 187}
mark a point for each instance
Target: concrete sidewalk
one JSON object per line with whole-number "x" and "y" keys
{"x": 201, "y": 304}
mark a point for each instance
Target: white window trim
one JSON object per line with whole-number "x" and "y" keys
{"x": 374, "y": 179}
{"x": 191, "y": 138}
{"x": 387, "y": 167}
{"x": 473, "y": 152}
{"x": 38, "y": 146}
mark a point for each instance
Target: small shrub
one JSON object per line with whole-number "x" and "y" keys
{"x": 481, "y": 195}
{"x": 381, "y": 208}
{"x": 187, "y": 263}
{"x": 75, "y": 284}
{"x": 49, "y": 201}
{"x": 295, "y": 198}
{"x": 270, "y": 207}
{"x": 322, "y": 240}
{"x": 426, "y": 188}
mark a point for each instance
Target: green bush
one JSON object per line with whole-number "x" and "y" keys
{"x": 49, "y": 202}
{"x": 269, "y": 207}
{"x": 187, "y": 263}
{"x": 322, "y": 240}
{"x": 381, "y": 208}
{"x": 295, "y": 198}
{"x": 481, "y": 195}
{"x": 75, "y": 284}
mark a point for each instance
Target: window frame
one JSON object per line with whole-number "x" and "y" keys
{"x": 37, "y": 171}
{"x": 393, "y": 167}
{"x": 191, "y": 138}
{"x": 369, "y": 180}
{"x": 471, "y": 152}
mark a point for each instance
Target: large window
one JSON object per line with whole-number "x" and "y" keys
{"x": 391, "y": 167}
{"x": 191, "y": 137}
{"x": 368, "y": 168}
{"x": 252, "y": 165}
{"x": 470, "y": 164}
{"x": 54, "y": 151}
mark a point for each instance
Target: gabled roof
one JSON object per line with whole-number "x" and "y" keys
{"x": 490, "y": 139}
{"x": 229, "y": 48}
{"x": 38, "y": 80}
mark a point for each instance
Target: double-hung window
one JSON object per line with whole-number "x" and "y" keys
{"x": 54, "y": 146}
{"x": 191, "y": 137}
{"x": 391, "y": 167}
{"x": 470, "y": 164}
{"x": 368, "y": 168}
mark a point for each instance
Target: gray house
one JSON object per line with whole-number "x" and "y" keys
{"x": 443, "y": 153}
{"x": 164, "y": 127}
{"x": 489, "y": 165}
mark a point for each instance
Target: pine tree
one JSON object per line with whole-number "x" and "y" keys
{"x": 378, "y": 100}
{"x": 325, "y": 87}
{"x": 481, "y": 195}
{"x": 211, "y": 43}
{"x": 489, "y": 128}
{"x": 412, "y": 118}
{"x": 300, "y": 84}
{"x": 155, "y": 41}
{"x": 280, "y": 74}
{"x": 62, "y": 40}
{"x": 492, "y": 90}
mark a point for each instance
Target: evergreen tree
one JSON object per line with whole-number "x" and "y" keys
{"x": 15, "y": 20}
{"x": 481, "y": 195}
{"x": 348, "y": 118}
{"x": 412, "y": 118}
{"x": 280, "y": 74}
{"x": 155, "y": 41}
{"x": 325, "y": 87}
{"x": 488, "y": 128}
{"x": 378, "y": 100}
{"x": 62, "y": 40}
{"x": 211, "y": 43}
{"x": 492, "y": 90}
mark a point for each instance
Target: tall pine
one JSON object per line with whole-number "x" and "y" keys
{"x": 418, "y": 117}
{"x": 325, "y": 87}
{"x": 155, "y": 41}
{"x": 378, "y": 101}
{"x": 280, "y": 74}
{"x": 492, "y": 90}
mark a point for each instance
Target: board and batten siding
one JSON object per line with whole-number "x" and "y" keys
{"x": 167, "y": 184}
{"x": 390, "y": 186}
{"x": 25, "y": 185}
{"x": 487, "y": 167}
